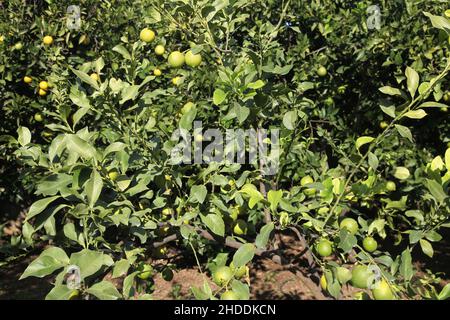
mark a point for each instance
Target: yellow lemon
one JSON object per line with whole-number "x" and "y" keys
{"x": 48, "y": 40}
{"x": 147, "y": 35}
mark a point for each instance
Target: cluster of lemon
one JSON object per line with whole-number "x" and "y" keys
{"x": 176, "y": 59}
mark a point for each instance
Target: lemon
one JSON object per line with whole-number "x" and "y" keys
{"x": 94, "y": 76}
{"x": 42, "y": 92}
{"x": 159, "y": 50}
{"x": 48, "y": 40}
{"x": 147, "y": 35}
{"x": 43, "y": 85}
{"x": 27, "y": 79}
{"x": 176, "y": 59}
{"x": 157, "y": 72}
{"x": 193, "y": 60}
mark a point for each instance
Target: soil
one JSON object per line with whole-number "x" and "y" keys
{"x": 291, "y": 279}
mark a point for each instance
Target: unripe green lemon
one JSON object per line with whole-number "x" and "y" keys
{"x": 176, "y": 59}
{"x": 147, "y": 35}
{"x": 322, "y": 71}
{"x": 382, "y": 291}
{"x": 145, "y": 271}
{"x": 38, "y": 117}
{"x": 390, "y": 186}
{"x": 222, "y": 275}
{"x": 323, "y": 282}
{"x": 383, "y": 124}
{"x": 361, "y": 276}
{"x": 193, "y": 60}
{"x": 229, "y": 295}
{"x": 370, "y": 244}
{"x": 239, "y": 272}
{"x": 159, "y": 50}
{"x": 350, "y": 224}
{"x": 323, "y": 248}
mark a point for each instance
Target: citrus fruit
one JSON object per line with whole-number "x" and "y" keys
{"x": 113, "y": 174}
{"x": 167, "y": 211}
{"x": 176, "y": 59}
{"x": 390, "y": 186}
{"x": 383, "y": 124}
{"x": 306, "y": 180}
{"x": 323, "y": 282}
{"x": 145, "y": 271}
{"x": 27, "y": 79}
{"x": 193, "y": 60}
{"x": 350, "y": 224}
{"x": 343, "y": 274}
{"x": 43, "y": 85}
{"x": 18, "y": 46}
{"x": 370, "y": 244}
{"x": 2, "y": 38}
{"x": 159, "y": 50}
{"x": 147, "y": 35}
{"x": 447, "y": 13}
{"x": 361, "y": 276}
{"x": 323, "y": 248}
{"x": 322, "y": 71}
{"x": 240, "y": 227}
{"x": 229, "y": 295}
{"x": 38, "y": 117}
{"x": 42, "y": 92}
{"x": 94, "y": 76}
{"x": 239, "y": 272}
{"x": 382, "y": 291}
{"x": 447, "y": 97}
{"x": 157, "y": 72}
{"x": 48, "y": 40}
{"x": 222, "y": 275}
{"x": 176, "y": 80}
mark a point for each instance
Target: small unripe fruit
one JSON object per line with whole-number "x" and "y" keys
{"x": 48, "y": 40}
{"x": 147, "y": 35}
{"x": 159, "y": 50}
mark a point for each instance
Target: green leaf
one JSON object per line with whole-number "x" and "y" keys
{"x": 241, "y": 289}
{"x": 244, "y": 255}
{"x": 24, "y": 136}
{"x": 123, "y": 51}
{"x": 79, "y": 146}
{"x": 104, "y": 290}
{"x": 187, "y": 119}
{"x": 445, "y": 292}
{"x": 290, "y": 119}
{"x": 439, "y": 22}
{"x": 346, "y": 240}
{"x": 120, "y": 268}
{"x": 416, "y": 114}
{"x": 39, "y": 206}
{"x": 436, "y": 191}
{"x": 274, "y": 198}
{"x": 48, "y": 261}
{"x": 86, "y": 78}
{"x": 401, "y": 173}
{"x": 256, "y": 85}
{"x": 214, "y": 223}
{"x": 198, "y": 193}
{"x": 427, "y": 248}
{"x": 89, "y": 261}
{"x": 219, "y": 96}
{"x": 390, "y": 111}
{"x": 255, "y": 195}
{"x": 406, "y": 268}
{"x": 362, "y": 141}
{"x": 93, "y": 188}
{"x": 59, "y": 292}
{"x": 390, "y": 91}
{"x": 129, "y": 93}
{"x": 264, "y": 234}
{"x": 404, "y": 132}
{"x": 412, "y": 79}
{"x": 373, "y": 161}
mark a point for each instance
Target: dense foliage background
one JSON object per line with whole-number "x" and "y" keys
{"x": 88, "y": 158}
